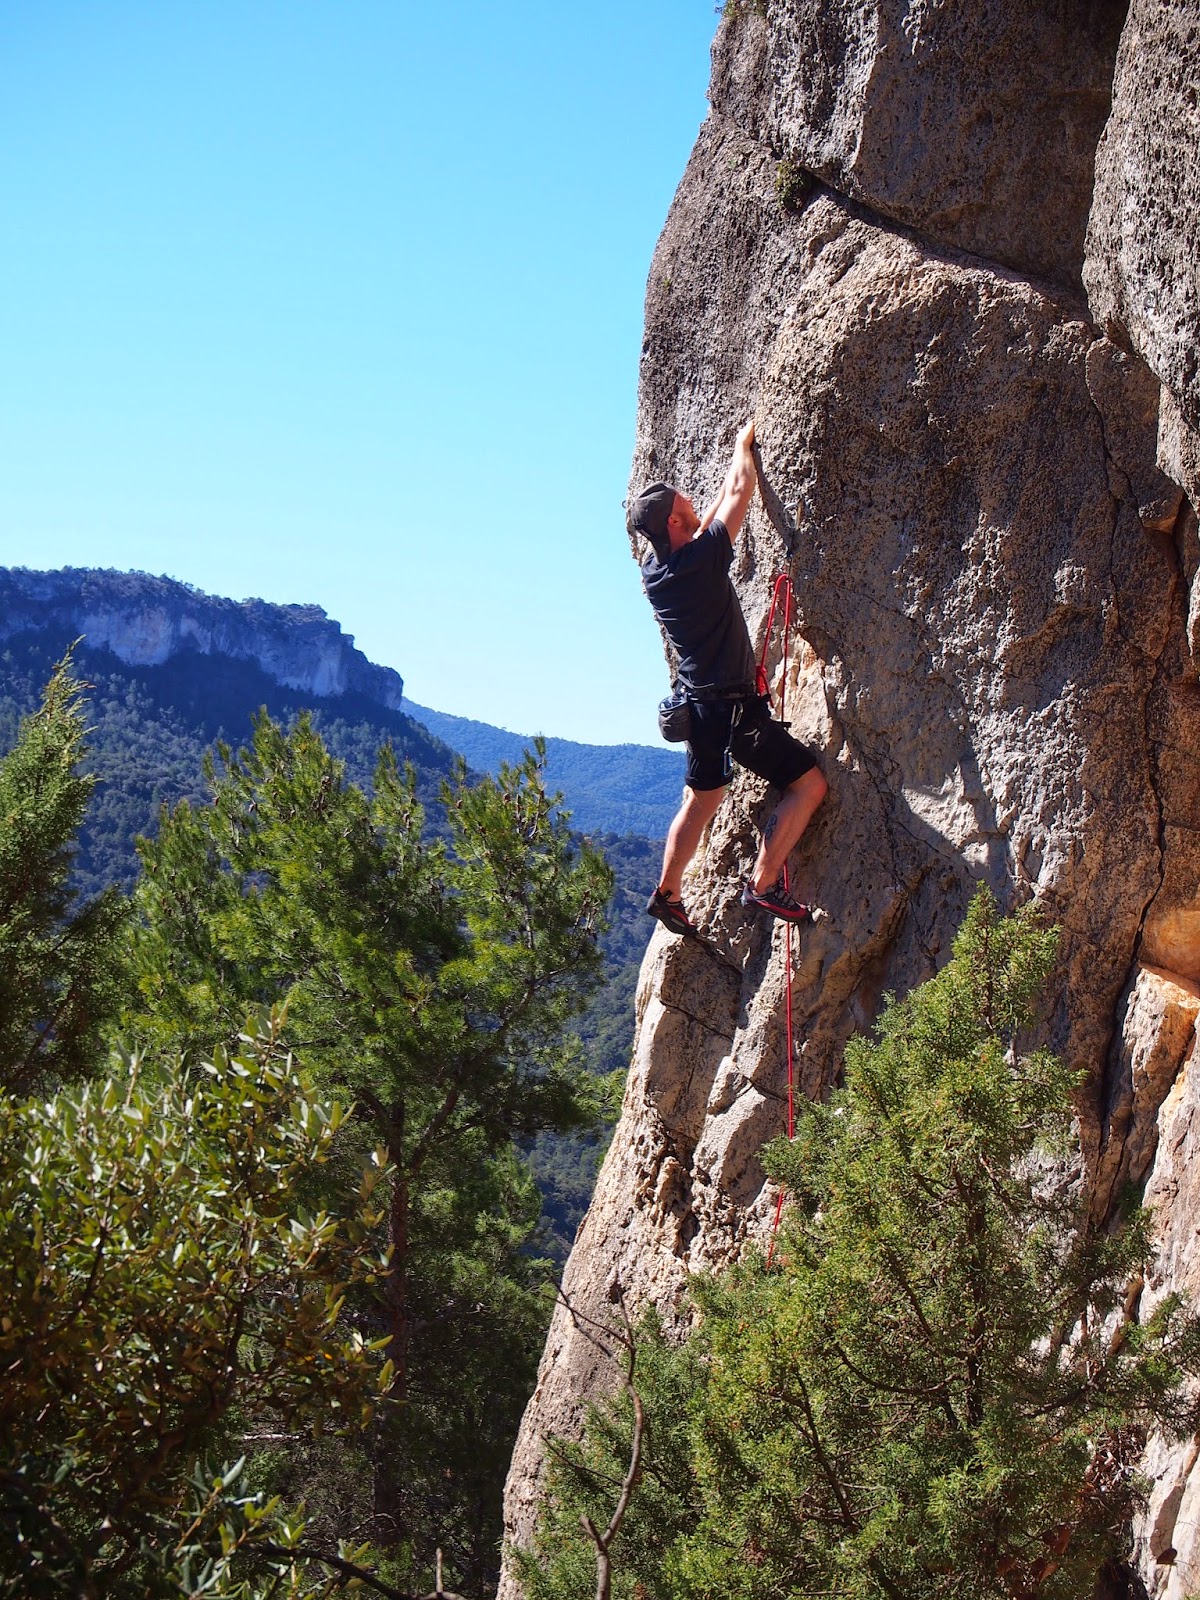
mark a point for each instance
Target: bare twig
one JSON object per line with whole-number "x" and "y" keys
{"x": 603, "y": 1541}
{"x": 573, "y": 1464}
{"x": 348, "y": 1569}
{"x": 600, "y": 1334}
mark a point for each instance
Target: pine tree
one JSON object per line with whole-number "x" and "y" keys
{"x": 430, "y": 983}
{"x": 941, "y": 1387}
{"x": 58, "y": 978}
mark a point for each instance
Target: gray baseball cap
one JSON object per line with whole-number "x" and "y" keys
{"x": 648, "y": 512}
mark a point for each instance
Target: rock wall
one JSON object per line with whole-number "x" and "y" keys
{"x": 145, "y": 621}
{"x": 878, "y": 250}
{"x": 1142, "y": 268}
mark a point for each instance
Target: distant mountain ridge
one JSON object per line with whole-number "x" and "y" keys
{"x": 196, "y": 666}
{"x": 147, "y": 621}
{"x": 175, "y": 639}
{"x": 621, "y": 788}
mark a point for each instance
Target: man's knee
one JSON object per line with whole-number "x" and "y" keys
{"x": 811, "y": 784}
{"x": 703, "y": 800}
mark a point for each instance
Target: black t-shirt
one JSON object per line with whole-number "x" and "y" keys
{"x": 695, "y": 602}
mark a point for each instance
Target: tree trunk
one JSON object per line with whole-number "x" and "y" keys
{"x": 387, "y": 1484}
{"x": 397, "y": 1286}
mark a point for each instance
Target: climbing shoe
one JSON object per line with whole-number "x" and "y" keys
{"x": 778, "y": 901}
{"x": 670, "y": 913}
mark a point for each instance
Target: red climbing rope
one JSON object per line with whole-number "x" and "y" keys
{"x": 783, "y": 587}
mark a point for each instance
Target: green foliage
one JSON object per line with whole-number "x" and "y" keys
{"x": 735, "y": 10}
{"x": 937, "y": 1391}
{"x": 410, "y": 968}
{"x": 793, "y": 185}
{"x": 418, "y": 971}
{"x": 56, "y": 983}
{"x": 431, "y": 983}
{"x": 149, "y": 729}
{"x": 168, "y": 1292}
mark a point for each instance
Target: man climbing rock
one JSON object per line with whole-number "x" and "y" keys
{"x": 686, "y": 579}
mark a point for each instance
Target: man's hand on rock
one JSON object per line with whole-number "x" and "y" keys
{"x": 730, "y": 505}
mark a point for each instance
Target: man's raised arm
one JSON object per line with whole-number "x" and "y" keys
{"x": 731, "y": 504}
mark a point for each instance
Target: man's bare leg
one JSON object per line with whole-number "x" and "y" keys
{"x": 699, "y": 807}
{"x": 785, "y": 826}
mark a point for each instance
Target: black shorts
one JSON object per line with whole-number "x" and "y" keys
{"x": 745, "y": 731}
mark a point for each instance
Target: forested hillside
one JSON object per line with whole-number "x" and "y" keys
{"x": 150, "y": 727}
{"x": 622, "y": 788}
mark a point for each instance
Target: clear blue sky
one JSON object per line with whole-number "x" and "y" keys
{"x": 341, "y": 302}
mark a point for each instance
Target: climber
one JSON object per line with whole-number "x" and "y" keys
{"x": 686, "y": 579}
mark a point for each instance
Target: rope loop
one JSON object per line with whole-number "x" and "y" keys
{"x": 783, "y": 586}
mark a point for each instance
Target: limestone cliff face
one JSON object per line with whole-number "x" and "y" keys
{"x": 1142, "y": 268}
{"x": 145, "y": 621}
{"x": 878, "y": 250}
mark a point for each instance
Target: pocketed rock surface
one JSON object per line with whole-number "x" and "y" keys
{"x": 995, "y": 649}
